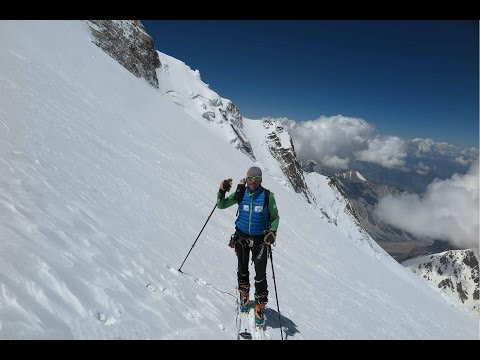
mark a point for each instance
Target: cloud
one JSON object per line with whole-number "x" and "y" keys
{"x": 423, "y": 145}
{"x": 445, "y": 148}
{"x": 335, "y": 162}
{"x": 471, "y": 151}
{"x": 422, "y": 169}
{"x": 390, "y": 152}
{"x": 422, "y": 148}
{"x": 461, "y": 160}
{"x": 421, "y": 172}
{"x": 334, "y": 141}
{"x": 422, "y": 166}
{"x": 449, "y": 210}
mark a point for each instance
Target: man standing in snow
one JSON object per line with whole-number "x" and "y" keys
{"x": 255, "y": 229}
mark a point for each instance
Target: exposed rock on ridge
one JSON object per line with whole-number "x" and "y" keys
{"x": 284, "y": 153}
{"x": 455, "y": 272}
{"x": 232, "y": 115}
{"x": 127, "y": 42}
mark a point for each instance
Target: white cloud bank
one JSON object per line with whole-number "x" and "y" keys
{"x": 336, "y": 140}
{"x": 390, "y": 152}
{"x": 449, "y": 210}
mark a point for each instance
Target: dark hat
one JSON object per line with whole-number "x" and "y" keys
{"x": 254, "y": 171}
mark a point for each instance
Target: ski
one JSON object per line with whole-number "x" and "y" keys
{"x": 259, "y": 332}
{"x": 243, "y": 322}
{"x": 244, "y": 328}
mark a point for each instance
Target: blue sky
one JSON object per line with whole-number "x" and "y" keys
{"x": 407, "y": 78}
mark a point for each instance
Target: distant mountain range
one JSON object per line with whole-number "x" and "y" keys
{"x": 426, "y": 161}
{"x": 363, "y": 195}
{"x": 452, "y": 271}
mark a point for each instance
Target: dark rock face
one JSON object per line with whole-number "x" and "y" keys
{"x": 308, "y": 165}
{"x": 128, "y": 43}
{"x": 446, "y": 284}
{"x": 471, "y": 260}
{"x": 453, "y": 271}
{"x": 286, "y": 157}
{"x": 232, "y": 115}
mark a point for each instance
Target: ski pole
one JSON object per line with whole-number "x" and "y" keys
{"x": 180, "y": 269}
{"x": 275, "y": 285}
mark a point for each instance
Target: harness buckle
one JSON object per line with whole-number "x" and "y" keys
{"x": 246, "y": 241}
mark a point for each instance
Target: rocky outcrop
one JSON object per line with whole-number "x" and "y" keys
{"x": 281, "y": 147}
{"x": 231, "y": 115}
{"x": 200, "y": 102}
{"x": 334, "y": 184}
{"x": 308, "y": 165}
{"x": 455, "y": 272}
{"x": 128, "y": 43}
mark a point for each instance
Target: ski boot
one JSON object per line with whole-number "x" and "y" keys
{"x": 244, "y": 290}
{"x": 260, "y": 315}
{"x": 260, "y": 302}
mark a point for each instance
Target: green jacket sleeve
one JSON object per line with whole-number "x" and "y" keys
{"x": 223, "y": 203}
{"x": 273, "y": 211}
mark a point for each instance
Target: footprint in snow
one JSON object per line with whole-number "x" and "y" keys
{"x": 172, "y": 270}
{"x": 200, "y": 282}
{"x": 152, "y": 288}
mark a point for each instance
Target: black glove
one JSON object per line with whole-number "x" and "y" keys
{"x": 269, "y": 237}
{"x": 240, "y": 191}
{"x": 225, "y": 186}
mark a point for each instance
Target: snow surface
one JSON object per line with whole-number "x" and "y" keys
{"x": 360, "y": 176}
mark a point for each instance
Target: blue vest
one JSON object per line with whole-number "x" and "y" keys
{"x": 252, "y": 217}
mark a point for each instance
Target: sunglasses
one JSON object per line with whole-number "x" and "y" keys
{"x": 254, "y": 178}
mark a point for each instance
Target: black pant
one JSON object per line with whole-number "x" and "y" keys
{"x": 259, "y": 256}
